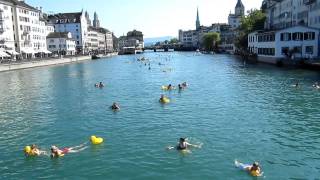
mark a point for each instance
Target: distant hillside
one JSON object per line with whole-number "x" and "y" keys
{"x": 150, "y": 41}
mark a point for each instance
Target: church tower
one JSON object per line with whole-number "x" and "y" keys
{"x": 198, "y": 21}
{"x": 239, "y": 10}
{"x": 96, "y": 22}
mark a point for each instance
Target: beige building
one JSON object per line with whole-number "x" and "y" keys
{"x": 287, "y": 13}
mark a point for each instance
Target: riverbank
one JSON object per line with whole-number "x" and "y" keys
{"x": 46, "y": 62}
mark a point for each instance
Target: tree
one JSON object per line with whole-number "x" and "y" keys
{"x": 174, "y": 41}
{"x": 252, "y": 22}
{"x": 211, "y": 40}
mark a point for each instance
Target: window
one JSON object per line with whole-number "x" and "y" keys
{"x": 52, "y": 40}
{"x": 309, "y": 49}
{"x": 78, "y": 42}
{"x": 285, "y": 50}
{"x": 285, "y": 36}
{"x": 297, "y": 36}
{"x": 297, "y": 49}
{"x": 309, "y": 35}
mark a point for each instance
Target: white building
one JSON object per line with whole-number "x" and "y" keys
{"x": 76, "y": 23}
{"x": 7, "y": 44}
{"x": 288, "y": 13}
{"x": 61, "y": 43}
{"x": 290, "y": 43}
{"x": 22, "y": 29}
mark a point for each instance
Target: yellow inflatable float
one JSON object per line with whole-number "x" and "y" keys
{"x": 27, "y": 150}
{"x": 165, "y": 100}
{"x": 165, "y": 88}
{"x": 96, "y": 140}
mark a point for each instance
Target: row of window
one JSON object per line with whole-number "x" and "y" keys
{"x": 284, "y": 50}
{"x": 24, "y": 19}
{"x": 61, "y": 46}
{"x": 37, "y": 37}
{"x": 24, "y": 11}
{"x": 297, "y": 36}
{"x": 266, "y": 51}
{"x": 62, "y": 21}
{"x": 297, "y": 49}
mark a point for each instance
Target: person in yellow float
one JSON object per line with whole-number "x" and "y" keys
{"x": 254, "y": 169}
{"x": 33, "y": 150}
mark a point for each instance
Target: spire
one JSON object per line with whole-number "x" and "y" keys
{"x": 96, "y": 22}
{"x": 239, "y": 10}
{"x": 198, "y": 20}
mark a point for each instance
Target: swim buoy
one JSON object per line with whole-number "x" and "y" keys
{"x": 165, "y": 100}
{"x": 27, "y": 150}
{"x": 96, "y": 140}
{"x": 165, "y": 88}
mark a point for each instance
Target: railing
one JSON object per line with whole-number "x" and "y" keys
{"x": 308, "y": 2}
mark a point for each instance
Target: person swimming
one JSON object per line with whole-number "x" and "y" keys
{"x": 169, "y": 87}
{"x": 184, "y": 84}
{"x": 99, "y": 85}
{"x": 180, "y": 87}
{"x": 183, "y": 144}
{"x": 56, "y": 152}
{"x": 34, "y": 151}
{"x": 115, "y": 106}
{"x": 254, "y": 169}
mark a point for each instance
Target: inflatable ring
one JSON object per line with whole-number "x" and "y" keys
{"x": 96, "y": 140}
{"x": 27, "y": 150}
{"x": 165, "y": 100}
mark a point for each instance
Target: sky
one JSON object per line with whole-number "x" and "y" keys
{"x": 155, "y": 18}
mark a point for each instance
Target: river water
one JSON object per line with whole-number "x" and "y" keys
{"x": 249, "y": 113}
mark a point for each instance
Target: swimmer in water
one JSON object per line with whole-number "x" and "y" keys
{"x": 115, "y": 106}
{"x": 254, "y": 170}
{"x": 184, "y": 145}
{"x": 184, "y": 84}
{"x": 56, "y": 152}
{"x": 35, "y": 151}
{"x": 101, "y": 85}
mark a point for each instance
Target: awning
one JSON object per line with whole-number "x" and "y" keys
{"x": 43, "y": 51}
{"x": 12, "y": 52}
{"x": 47, "y": 52}
{"x": 3, "y": 54}
{"x": 27, "y": 51}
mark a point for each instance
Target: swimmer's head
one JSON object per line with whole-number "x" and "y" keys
{"x": 255, "y": 164}
{"x": 53, "y": 148}
{"x": 182, "y": 139}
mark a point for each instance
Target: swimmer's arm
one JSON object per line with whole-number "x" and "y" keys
{"x": 194, "y": 145}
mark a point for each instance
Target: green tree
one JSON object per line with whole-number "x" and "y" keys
{"x": 174, "y": 41}
{"x": 252, "y": 22}
{"x": 211, "y": 40}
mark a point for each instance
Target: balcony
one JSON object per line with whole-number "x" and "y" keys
{"x": 308, "y": 2}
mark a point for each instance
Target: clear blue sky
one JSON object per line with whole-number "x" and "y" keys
{"x": 155, "y": 18}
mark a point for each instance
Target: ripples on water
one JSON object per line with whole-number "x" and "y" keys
{"x": 250, "y": 113}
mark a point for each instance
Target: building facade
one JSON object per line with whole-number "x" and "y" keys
{"x": 291, "y": 43}
{"x": 287, "y": 13}
{"x": 132, "y": 43}
{"x": 23, "y": 30}
{"x": 7, "y": 41}
{"x": 76, "y": 24}
{"x": 61, "y": 43}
